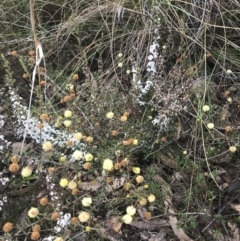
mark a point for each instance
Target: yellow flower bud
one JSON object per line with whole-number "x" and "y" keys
{"x": 63, "y": 182}
{"x": 26, "y": 171}
{"x": 68, "y": 113}
{"x": 136, "y": 170}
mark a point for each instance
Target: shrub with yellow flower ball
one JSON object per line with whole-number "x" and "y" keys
{"x": 139, "y": 179}
{"x": 26, "y": 171}
{"x": 33, "y": 212}
{"x": 88, "y": 229}
{"x": 58, "y": 239}
{"x": 63, "y": 182}
{"x": 88, "y": 157}
{"x": 77, "y": 136}
{"x": 67, "y": 123}
{"x": 143, "y": 201}
{"x": 72, "y": 185}
{"x": 68, "y": 113}
{"x": 123, "y": 118}
{"x": 232, "y": 148}
{"x": 110, "y": 115}
{"x": 136, "y": 170}
{"x": 127, "y": 219}
{"x": 130, "y": 210}
{"x": 83, "y": 216}
{"x": 151, "y": 198}
{"x": 77, "y": 155}
{"x": 108, "y": 164}
{"x": 87, "y": 201}
{"x": 47, "y": 146}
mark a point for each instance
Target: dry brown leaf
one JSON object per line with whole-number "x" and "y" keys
{"x": 115, "y": 224}
{"x": 150, "y": 225}
{"x": 17, "y": 146}
{"x": 92, "y": 185}
{"x": 167, "y": 160}
{"x": 116, "y": 183}
{"x": 235, "y": 207}
{"x": 159, "y": 236}
{"x": 236, "y": 235}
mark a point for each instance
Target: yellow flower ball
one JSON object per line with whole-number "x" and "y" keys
{"x": 146, "y": 186}
{"x": 26, "y": 171}
{"x": 67, "y": 123}
{"x": 232, "y": 148}
{"x": 135, "y": 142}
{"x": 69, "y": 87}
{"x": 206, "y": 108}
{"x": 58, "y": 239}
{"x": 62, "y": 159}
{"x": 72, "y": 185}
{"x": 108, "y": 164}
{"x": 120, "y": 65}
{"x": 143, "y": 201}
{"x": 87, "y": 201}
{"x": 77, "y": 155}
{"x": 88, "y": 157}
{"x": 68, "y": 113}
{"x": 128, "y": 71}
{"x": 123, "y": 118}
{"x": 210, "y": 126}
{"x": 89, "y": 139}
{"x": 127, "y": 218}
{"x": 229, "y": 71}
{"x": 184, "y": 152}
{"x": 33, "y": 212}
{"x": 120, "y": 55}
{"x": 131, "y": 210}
{"x": 77, "y": 136}
{"x": 110, "y": 115}
{"x": 88, "y": 229}
{"x": 83, "y": 216}
{"x": 63, "y": 182}
{"x": 151, "y": 198}
{"x": 47, "y": 146}
{"x": 136, "y": 170}
{"x": 139, "y": 179}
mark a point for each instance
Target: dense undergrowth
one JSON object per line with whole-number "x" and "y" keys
{"x": 119, "y": 120}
